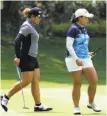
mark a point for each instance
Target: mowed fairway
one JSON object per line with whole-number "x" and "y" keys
{"x": 57, "y": 97}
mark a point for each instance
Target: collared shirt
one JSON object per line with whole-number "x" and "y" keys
{"x": 81, "y": 40}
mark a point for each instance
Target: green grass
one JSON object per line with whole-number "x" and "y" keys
{"x": 59, "y": 98}
{"x": 55, "y": 83}
{"x": 51, "y": 59}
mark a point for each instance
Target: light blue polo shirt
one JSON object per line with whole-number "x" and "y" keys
{"x": 81, "y": 40}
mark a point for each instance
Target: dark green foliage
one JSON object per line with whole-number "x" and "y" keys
{"x": 95, "y": 29}
{"x": 58, "y": 13}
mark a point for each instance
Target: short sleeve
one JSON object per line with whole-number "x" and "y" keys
{"x": 25, "y": 30}
{"x": 71, "y": 32}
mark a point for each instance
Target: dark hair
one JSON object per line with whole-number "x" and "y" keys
{"x": 74, "y": 19}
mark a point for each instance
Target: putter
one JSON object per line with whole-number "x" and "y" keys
{"x": 18, "y": 73}
{"x": 97, "y": 49}
{"x": 94, "y": 53}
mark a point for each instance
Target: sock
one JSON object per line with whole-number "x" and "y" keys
{"x": 38, "y": 104}
{"x": 6, "y": 96}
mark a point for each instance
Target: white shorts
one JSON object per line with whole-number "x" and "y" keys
{"x": 72, "y": 66}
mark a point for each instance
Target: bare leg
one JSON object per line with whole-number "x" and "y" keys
{"x": 91, "y": 76}
{"x": 35, "y": 86}
{"x": 26, "y": 79}
{"x": 76, "y": 78}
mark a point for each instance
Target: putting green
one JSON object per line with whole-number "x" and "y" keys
{"x": 57, "y": 97}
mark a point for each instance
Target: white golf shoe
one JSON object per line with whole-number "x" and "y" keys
{"x": 77, "y": 111}
{"x": 4, "y": 102}
{"x": 95, "y": 107}
{"x": 42, "y": 108}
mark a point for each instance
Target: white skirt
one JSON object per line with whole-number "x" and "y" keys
{"x": 72, "y": 66}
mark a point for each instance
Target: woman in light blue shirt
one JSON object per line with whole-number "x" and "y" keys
{"x": 78, "y": 59}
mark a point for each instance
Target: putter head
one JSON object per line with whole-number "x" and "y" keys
{"x": 25, "y": 107}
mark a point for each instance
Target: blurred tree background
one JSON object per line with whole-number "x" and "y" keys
{"x": 57, "y": 15}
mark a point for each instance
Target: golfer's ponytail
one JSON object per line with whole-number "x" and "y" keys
{"x": 26, "y": 12}
{"x": 74, "y": 19}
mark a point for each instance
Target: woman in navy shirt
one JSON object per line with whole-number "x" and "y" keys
{"x": 26, "y": 49}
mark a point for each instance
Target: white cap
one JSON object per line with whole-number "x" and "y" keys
{"x": 83, "y": 12}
